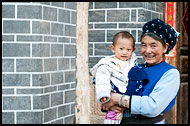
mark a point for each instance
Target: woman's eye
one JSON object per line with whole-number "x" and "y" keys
{"x": 153, "y": 46}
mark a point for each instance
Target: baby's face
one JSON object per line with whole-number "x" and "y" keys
{"x": 123, "y": 48}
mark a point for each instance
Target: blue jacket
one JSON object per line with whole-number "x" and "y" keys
{"x": 159, "y": 94}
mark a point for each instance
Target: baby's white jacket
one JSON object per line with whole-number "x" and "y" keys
{"x": 111, "y": 68}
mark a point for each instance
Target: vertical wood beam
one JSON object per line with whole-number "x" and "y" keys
{"x": 82, "y": 110}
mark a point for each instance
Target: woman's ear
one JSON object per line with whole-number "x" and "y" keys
{"x": 166, "y": 47}
{"x": 112, "y": 48}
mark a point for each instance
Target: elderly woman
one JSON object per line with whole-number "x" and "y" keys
{"x": 159, "y": 94}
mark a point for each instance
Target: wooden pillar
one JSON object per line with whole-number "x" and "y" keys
{"x": 82, "y": 110}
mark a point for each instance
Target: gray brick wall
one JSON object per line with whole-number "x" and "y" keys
{"x": 38, "y": 62}
{"x": 107, "y": 18}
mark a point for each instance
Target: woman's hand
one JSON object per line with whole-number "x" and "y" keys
{"x": 117, "y": 108}
{"x": 113, "y": 103}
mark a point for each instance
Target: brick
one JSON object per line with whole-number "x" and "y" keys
{"x": 29, "y": 91}
{"x": 140, "y": 60}
{"x": 73, "y": 17}
{"x": 73, "y": 108}
{"x": 8, "y": 118}
{"x": 40, "y": 50}
{"x": 45, "y": 3}
{"x": 90, "y": 6}
{"x": 50, "y": 114}
{"x": 73, "y": 63}
{"x": 8, "y": 11}
{"x": 29, "y": 12}
{"x": 50, "y": 64}
{"x": 29, "y": 117}
{"x": 69, "y": 50}
{"x": 56, "y": 78}
{"x": 50, "y": 89}
{"x": 70, "y": 76}
{"x": 155, "y": 15}
{"x": 70, "y": 30}
{"x": 73, "y": 40}
{"x": 130, "y": 25}
{"x": 64, "y": 87}
{"x": 58, "y": 4}
{"x": 159, "y": 6}
{"x": 41, "y": 102}
{"x": 102, "y": 49}
{"x": 16, "y": 26}
{"x": 133, "y": 33}
{"x": 56, "y": 99}
{"x": 7, "y": 38}
{"x": 40, "y": 27}
{"x": 110, "y": 34}
{"x": 7, "y": 65}
{"x": 74, "y": 85}
{"x": 56, "y": 50}
{"x": 71, "y": 5}
{"x": 59, "y": 121}
{"x": 90, "y": 49}
{"x": 8, "y": 91}
{"x": 118, "y": 15}
{"x": 93, "y": 61}
{"x": 16, "y": 80}
{"x": 99, "y": 5}
{"x": 64, "y": 16}
{"x": 56, "y": 29}
{"x": 50, "y": 39}
{"x": 90, "y": 26}
{"x": 14, "y": 103}
{"x": 16, "y": 50}
{"x": 70, "y": 96}
{"x": 131, "y": 4}
{"x": 64, "y": 40}
{"x": 143, "y": 15}
{"x": 133, "y": 15}
{"x": 29, "y": 65}
{"x": 96, "y": 36}
{"x": 139, "y": 35}
{"x": 63, "y": 110}
{"x": 64, "y": 63}
{"x": 69, "y": 120}
{"x": 96, "y": 16}
{"x": 29, "y": 38}
{"x": 49, "y": 13}
{"x": 151, "y": 6}
{"x": 137, "y": 51}
{"x": 106, "y": 26}
{"x": 41, "y": 79}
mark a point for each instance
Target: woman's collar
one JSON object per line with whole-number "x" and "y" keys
{"x": 146, "y": 64}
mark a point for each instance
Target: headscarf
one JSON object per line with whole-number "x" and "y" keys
{"x": 167, "y": 33}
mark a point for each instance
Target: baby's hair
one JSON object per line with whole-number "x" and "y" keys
{"x": 123, "y": 34}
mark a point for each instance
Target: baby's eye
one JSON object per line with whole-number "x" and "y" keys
{"x": 120, "y": 48}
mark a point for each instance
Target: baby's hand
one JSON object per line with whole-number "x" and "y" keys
{"x": 103, "y": 99}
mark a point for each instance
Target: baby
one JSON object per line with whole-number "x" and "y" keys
{"x": 111, "y": 72}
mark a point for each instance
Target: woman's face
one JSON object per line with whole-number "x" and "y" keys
{"x": 152, "y": 50}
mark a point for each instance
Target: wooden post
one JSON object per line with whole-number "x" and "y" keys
{"x": 82, "y": 110}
